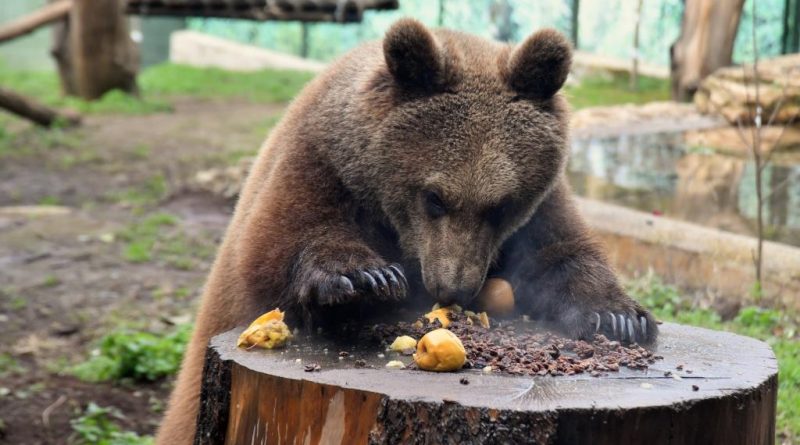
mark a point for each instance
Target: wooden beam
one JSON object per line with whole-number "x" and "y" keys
{"x": 42, "y": 16}
{"x": 35, "y": 111}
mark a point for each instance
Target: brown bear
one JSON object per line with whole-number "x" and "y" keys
{"x": 412, "y": 169}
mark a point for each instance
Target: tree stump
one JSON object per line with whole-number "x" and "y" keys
{"x": 724, "y": 393}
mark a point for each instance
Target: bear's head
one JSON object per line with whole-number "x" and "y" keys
{"x": 472, "y": 138}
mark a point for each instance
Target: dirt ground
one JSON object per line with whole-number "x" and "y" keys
{"x": 64, "y": 276}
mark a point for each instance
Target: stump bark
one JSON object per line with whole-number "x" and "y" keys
{"x": 724, "y": 393}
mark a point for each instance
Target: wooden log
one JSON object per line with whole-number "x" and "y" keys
{"x": 94, "y": 50}
{"x": 42, "y": 16}
{"x": 708, "y": 31}
{"x": 267, "y": 397}
{"x": 35, "y": 111}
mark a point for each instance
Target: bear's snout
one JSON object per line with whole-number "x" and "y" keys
{"x": 450, "y": 282}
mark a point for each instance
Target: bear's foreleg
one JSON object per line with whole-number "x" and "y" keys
{"x": 561, "y": 274}
{"x": 301, "y": 246}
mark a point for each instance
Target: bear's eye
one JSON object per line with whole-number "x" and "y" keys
{"x": 434, "y": 205}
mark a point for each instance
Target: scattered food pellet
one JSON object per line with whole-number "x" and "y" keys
{"x": 521, "y": 349}
{"x": 464, "y": 381}
{"x": 487, "y": 369}
{"x": 343, "y": 354}
{"x": 679, "y": 367}
{"x": 311, "y": 367}
{"x": 396, "y": 364}
{"x": 360, "y": 363}
{"x": 695, "y": 388}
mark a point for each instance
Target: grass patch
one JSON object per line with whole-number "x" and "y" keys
{"x": 778, "y": 329}
{"x": 595, "y": 90}
{"x": 141, "y": 237}
{"x": 136, "y": 355}
{"x": 44, "y": 86}
{"x": 9, "y": 365}
{"x": 96, "y": 426}
{"x": 258, "y": 86}
{"x": 150, "y": 239}
{"x": 149, "y": 192}
{"x": 159, "y": 83}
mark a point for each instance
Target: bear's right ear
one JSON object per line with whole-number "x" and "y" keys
{"x": 414, "y": 56}
{"x": 538, "y": 67}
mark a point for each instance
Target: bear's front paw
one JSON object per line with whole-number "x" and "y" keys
{"x": 631, "y": 326}
{"x": 621, "y": 319}
{"x": 354, "y": 285}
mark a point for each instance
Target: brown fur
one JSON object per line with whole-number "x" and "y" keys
{"x": 440, "y": 152}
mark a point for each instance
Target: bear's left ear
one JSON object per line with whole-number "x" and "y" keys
{"x": 413, "y": 55}
{"x": 539, "y": 66}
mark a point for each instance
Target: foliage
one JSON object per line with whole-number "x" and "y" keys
{"x": 141, "y": 356}
{"x": 96, "y": 427}
{"x": 778, "y": 329}
{"x": 593, "y": 91}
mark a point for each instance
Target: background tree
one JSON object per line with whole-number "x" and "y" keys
{"x": 708, "y": 32}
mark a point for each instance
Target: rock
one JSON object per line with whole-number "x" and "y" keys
{"x": 729, "y": 140}
{"x": 731, "y": 91}
{"x": 34, "y": 211}
{"x": 647, "y": 118}
{"x": 223, "y": 181}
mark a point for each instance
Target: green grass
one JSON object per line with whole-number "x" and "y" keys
{"x": 158, "y": 84}
{"x": 151, "y": 191}
{"x": 778, "y": 329}
{"x": 96, "y": 426}
{"x": 140, "y": 237}
{"x": 258, "y": 86}
{"x": 8, "y": 365}
{"x": 594, "y": 90}
{"x": 156, "y": 237}
{"x": 137, "y": 355}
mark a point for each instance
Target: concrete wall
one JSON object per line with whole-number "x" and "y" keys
{"x": 692, "y": 256}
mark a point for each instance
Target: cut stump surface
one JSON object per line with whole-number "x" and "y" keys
{"x": 711, "y": 388}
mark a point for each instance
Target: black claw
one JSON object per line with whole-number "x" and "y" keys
{"x": 371, "y": 281}
{"x": 621, "y": 320}
{"x": 399, "y": 272}
{"x": 397, "y": 289}
{"x": 384, "y": 285}
{"x": 613, "y": 324}
{"x": 346, "y": 285}
{"x": 631, "y": 333}
{"x": 643, "y": 324}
